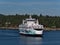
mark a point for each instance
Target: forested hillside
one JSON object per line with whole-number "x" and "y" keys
{"x": 15, "y": 20}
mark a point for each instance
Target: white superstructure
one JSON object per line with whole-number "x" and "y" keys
{"x": 30, "y": 26}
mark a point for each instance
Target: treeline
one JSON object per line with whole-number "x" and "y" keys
{"x": 15, "y": 20}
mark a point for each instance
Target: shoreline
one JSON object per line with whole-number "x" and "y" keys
{"x": 46, "y": 28}
{"x": 9, "y": 28}
{"x": 52, "y": 29}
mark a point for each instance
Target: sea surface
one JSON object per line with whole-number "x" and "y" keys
{"x": 12, "y": 37}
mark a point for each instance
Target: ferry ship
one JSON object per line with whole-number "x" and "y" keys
{"x": 31, "y": 27}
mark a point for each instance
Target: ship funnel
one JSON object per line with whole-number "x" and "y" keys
{"x": 23, "y": 21}
{"x": 30, "y": 17}
{"x": 37, "y": 21}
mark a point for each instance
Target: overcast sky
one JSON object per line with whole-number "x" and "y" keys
{"x": 45, "y": 7}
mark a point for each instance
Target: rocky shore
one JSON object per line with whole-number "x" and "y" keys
{"x": 8, "y": 27}
{"x": 18, "y": 28}
{"x": 51, "y": 28}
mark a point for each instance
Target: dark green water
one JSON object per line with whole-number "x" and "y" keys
{"x": 12, "y": 37}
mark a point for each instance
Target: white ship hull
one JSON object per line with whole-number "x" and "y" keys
{"x": 31, "y": 32}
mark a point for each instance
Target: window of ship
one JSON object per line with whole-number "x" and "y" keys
{"x": 38, "y": 29}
